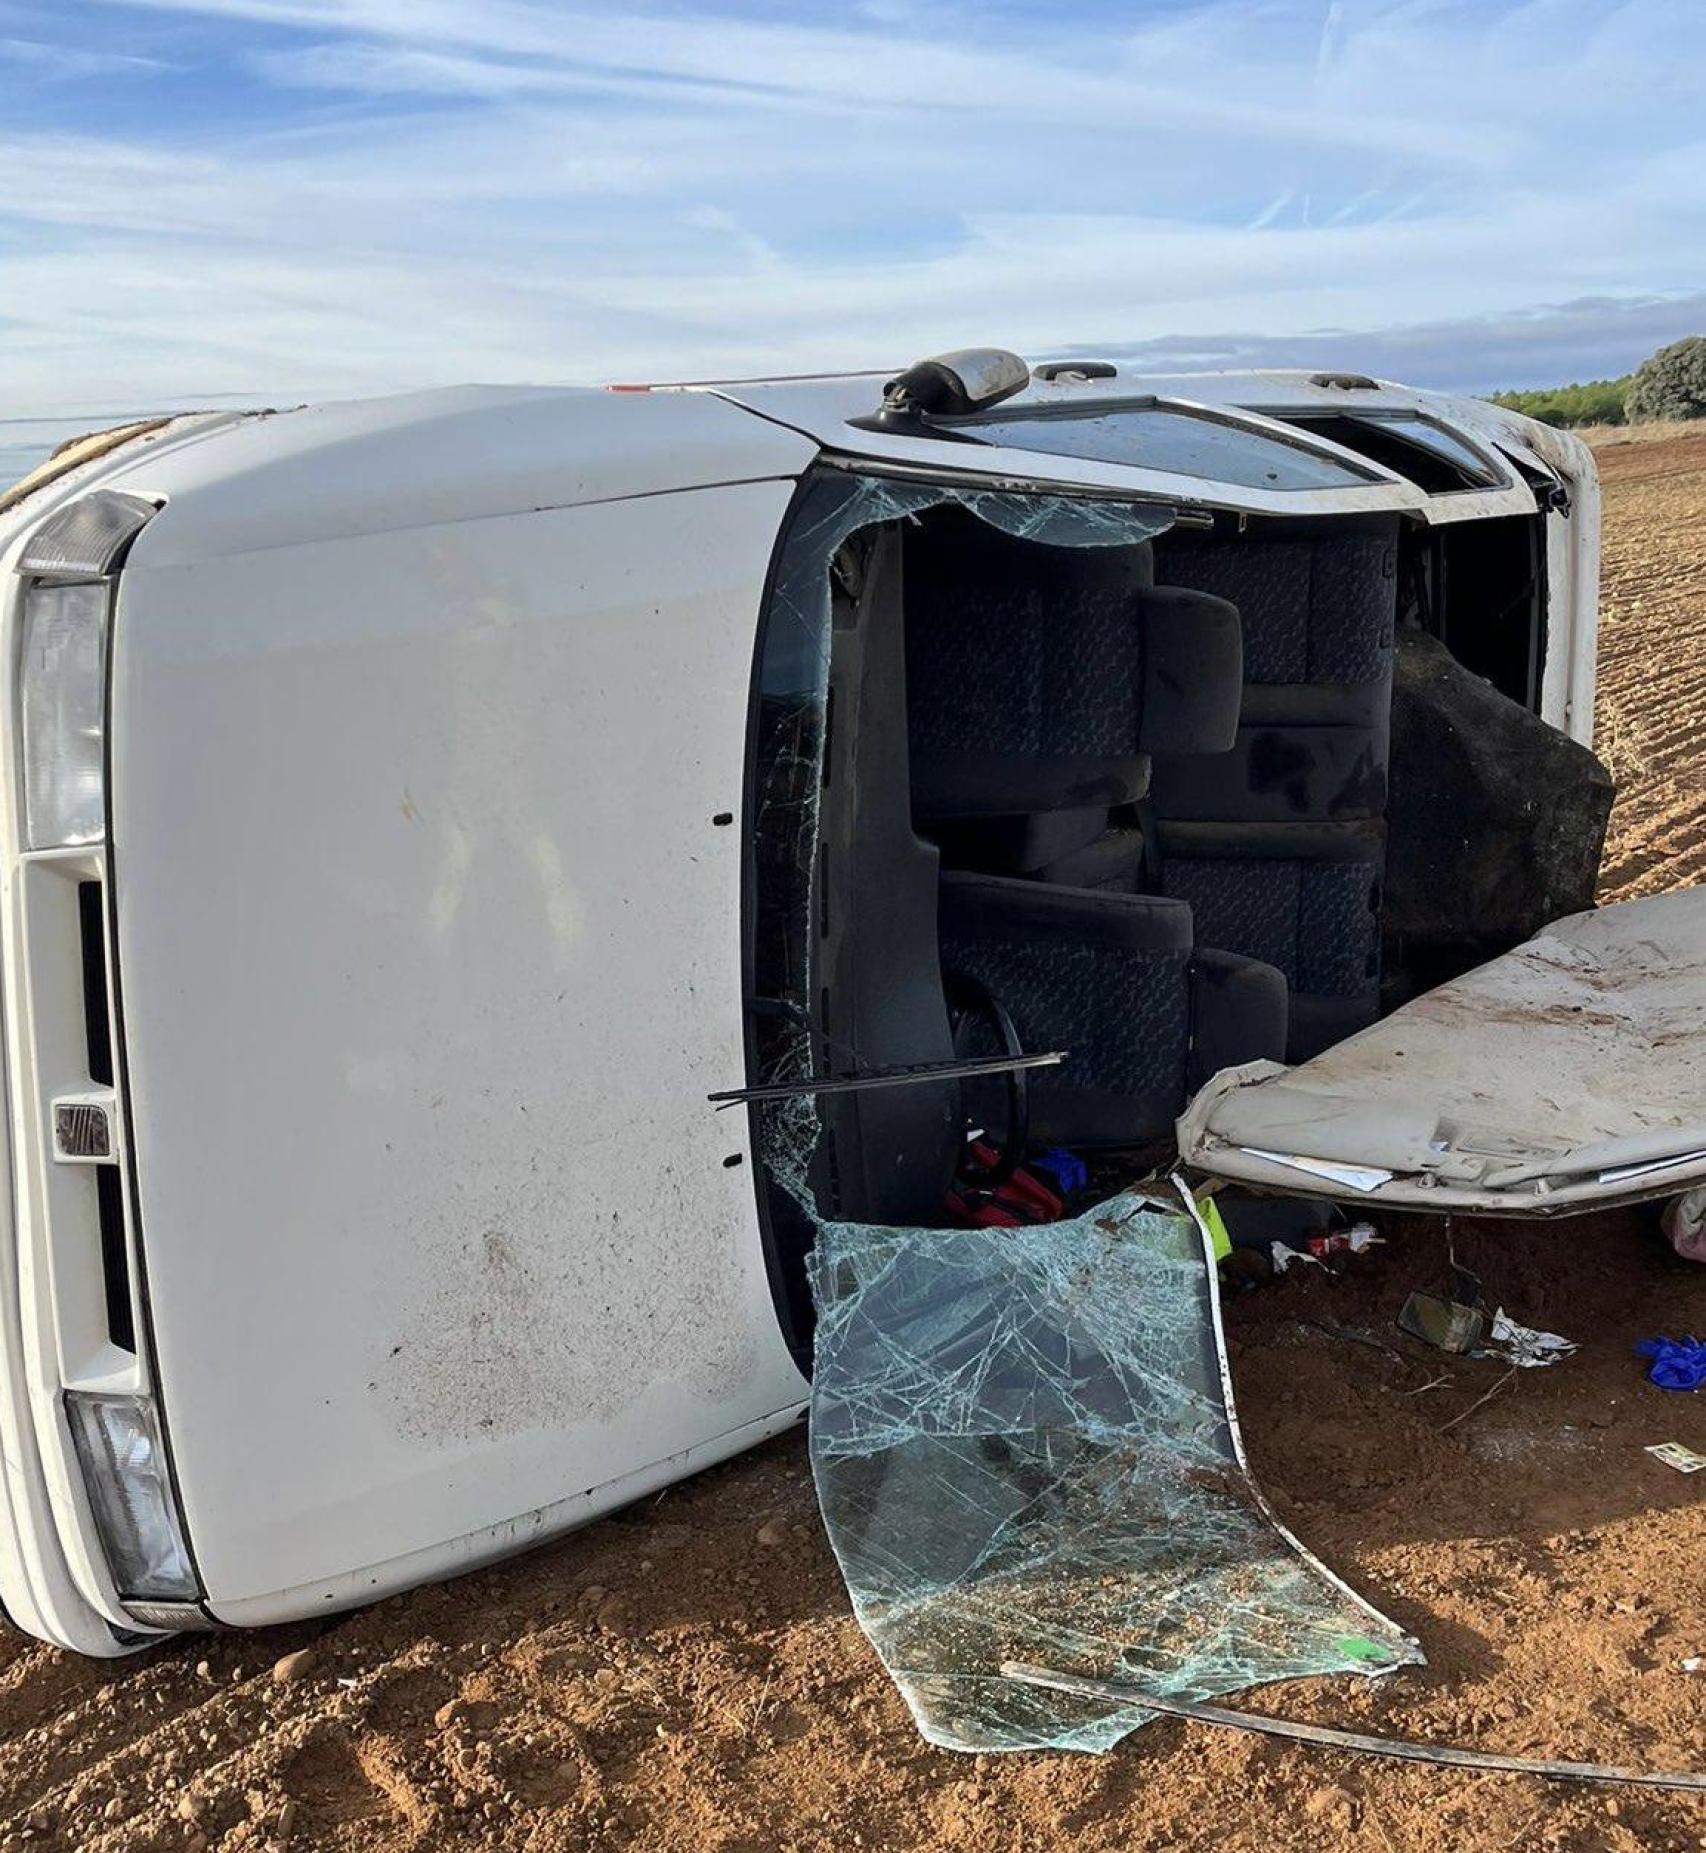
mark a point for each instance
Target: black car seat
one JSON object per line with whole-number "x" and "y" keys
{"x": 1040, "y": 681}
{"x": 1278, "y": 844}
{"x": 1116, "y": 980}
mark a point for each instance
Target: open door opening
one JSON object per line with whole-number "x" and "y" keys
{"x": 1173, "y": 796}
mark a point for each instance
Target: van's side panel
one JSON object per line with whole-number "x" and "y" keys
{"x": 430, "y": 954}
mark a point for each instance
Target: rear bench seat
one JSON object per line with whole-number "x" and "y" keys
{"x": 1278, "y": 845}
{"x": 1040, "y": 683}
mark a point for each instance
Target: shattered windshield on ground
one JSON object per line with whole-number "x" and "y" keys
{"x": 1024, "y": 1450}
{"x": 1022, "y": 1438}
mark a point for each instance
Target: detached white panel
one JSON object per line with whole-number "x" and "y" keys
{"x": 1564, "y": 1076}
{"x": 430, "y": 954}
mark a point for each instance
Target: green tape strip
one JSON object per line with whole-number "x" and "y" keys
{"x": 1219, "y": 1240}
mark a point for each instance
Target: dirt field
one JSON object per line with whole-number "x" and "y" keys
{"x": 1652, "y": 661}
{"x": 687, "y": 1675}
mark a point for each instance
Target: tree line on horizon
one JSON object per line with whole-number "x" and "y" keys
{"x": 1668, "y": 384}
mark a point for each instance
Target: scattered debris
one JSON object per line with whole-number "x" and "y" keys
{"x": 1065, "y": 1170}
{"x": 1114, "y": 1693}
{"x": 1284, "y": 1255}
{"x": 1358, "y": 1239}
{"x": 1447, "y": 1325}
{"x": 1684, "y": 1224}
{"x": 1459, "y": 1325}
{"x": 1313, "y": 1245}
{"x": 1214, "y": 1224}
{"x": 1674, "y": 1454}
{"x": 1524, "y": 1347}
{"x": 1678, "y": 1363}
{"x": 991, "y": 1192}
{"x": 1695, "y": 1663}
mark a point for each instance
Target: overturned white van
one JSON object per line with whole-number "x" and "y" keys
{"x": 419, "y": 809}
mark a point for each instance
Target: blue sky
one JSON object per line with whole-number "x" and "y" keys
{"x": 282, "y": 197}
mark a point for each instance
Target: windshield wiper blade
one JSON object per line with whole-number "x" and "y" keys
{"x": 906, "y": 1074}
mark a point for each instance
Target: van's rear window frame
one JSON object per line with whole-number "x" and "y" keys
{"x": 1498, "y": 474}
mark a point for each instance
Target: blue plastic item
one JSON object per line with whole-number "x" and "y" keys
{"x": 1678, "y": 1363}
{"x": 1069, "y": 1172}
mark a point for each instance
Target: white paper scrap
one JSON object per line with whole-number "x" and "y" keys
{"x": 1523, "y": 1346}
{"x": 1674, "y": 1454}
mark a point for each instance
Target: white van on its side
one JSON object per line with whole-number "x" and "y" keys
{"x": 417, "y": 808}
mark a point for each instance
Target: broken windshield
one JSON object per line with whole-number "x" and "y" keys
{"x": 1025, "y": 1450}
{"x": 787, "y": 785}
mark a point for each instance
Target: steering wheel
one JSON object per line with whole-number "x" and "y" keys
{"x": 971, "y": 1002}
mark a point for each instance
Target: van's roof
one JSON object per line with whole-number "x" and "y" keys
{"x": 238, "y": 482}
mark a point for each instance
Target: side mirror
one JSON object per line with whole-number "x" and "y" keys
{"x": 971, "y": 379}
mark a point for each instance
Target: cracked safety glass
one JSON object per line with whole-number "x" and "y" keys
{"x": 1024, "y": 1450}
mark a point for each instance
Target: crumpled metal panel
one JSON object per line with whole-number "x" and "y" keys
{"x": 1562, "y": 1076}
{"x": 1024, "y": 1450}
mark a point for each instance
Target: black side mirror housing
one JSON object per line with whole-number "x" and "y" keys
{"x": 970, "y": 379}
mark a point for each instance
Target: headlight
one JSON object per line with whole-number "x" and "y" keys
{"x": 71, "y": 559}
{"x": 130, "y": 1491}
{"x": 63, "y": 682}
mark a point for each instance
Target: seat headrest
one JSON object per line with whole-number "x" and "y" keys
{"x": 1193, "y": 671}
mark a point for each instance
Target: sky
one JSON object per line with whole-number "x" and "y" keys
{"x": 282, "y": 198}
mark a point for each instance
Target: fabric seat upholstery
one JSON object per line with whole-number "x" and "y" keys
{"x": 1039, "y": 679}
{"x": 1115, "y": 979}
{"x": 1278, "y": 845}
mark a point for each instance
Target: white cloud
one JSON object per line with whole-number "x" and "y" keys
{"x": 43, "y": 58}
{"x": 1029, "y": 80}
{"x": 412, "y": 191}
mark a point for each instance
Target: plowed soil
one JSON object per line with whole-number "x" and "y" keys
{"x": 687, "y": 1674}
{"x": 1651, "y": 710}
